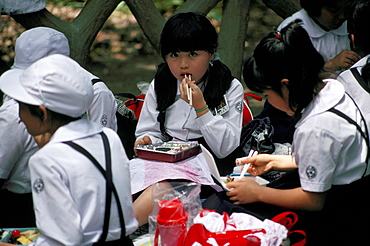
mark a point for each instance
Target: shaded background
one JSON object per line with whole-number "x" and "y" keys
{"x": 122, "y": 56}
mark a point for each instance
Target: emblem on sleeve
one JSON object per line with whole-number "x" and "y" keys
{"x": 311, "y": 172}
{"x": 38, "y": 185}
{"x": 104, "y": 120}
{"x": 239, "y": 106}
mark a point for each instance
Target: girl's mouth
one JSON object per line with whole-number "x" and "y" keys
{"x": 185, "y": 74}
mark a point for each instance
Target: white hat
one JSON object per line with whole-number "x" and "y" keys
{"x": 37, "y": 43}
{"x": 56, "y": 82}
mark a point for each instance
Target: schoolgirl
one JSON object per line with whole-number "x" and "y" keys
{"x": 73, "y": 201}
{"x": 326, "y": 25}
{"x": 356, "y": 80}
{"x": 214, "y": 115}
{"x": 192, "y": 97}
{"x": 329, "y": 144}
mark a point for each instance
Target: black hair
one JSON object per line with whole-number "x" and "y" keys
{"x": 359, "y": 25}
{"x": 37, "y": 112}
{"x": 185, "y": 32}
{"x": 313, "y": 7}
{"x": 288, "y": 54}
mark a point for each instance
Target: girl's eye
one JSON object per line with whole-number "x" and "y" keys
{"x": 192, "y": 54}
{"x": 173, "y": 55}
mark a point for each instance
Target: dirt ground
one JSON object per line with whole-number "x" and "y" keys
{"x": 121, "y": 55}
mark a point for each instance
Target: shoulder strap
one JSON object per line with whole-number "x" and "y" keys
{"x": 110, "y": 187}
{"x": 360, "y": 79}
{"x": 365, "y": 134}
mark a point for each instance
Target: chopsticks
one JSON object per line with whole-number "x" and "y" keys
{"x": 246, "y": 166}
{"x": 189, "y": 91}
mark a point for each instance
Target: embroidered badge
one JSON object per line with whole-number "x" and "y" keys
{"x": 311, "y": 172}
{"x": 38, "y": 185}
{"x": 104, "y": 120}
{"x": 239, "y": 107}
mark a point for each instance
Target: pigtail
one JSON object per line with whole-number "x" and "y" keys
{"x": 219, "y": 81}
{"x": 165, "y": 87}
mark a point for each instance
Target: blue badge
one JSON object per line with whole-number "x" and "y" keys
{"x": 38, "y": 185}
{"x": 311, "y": 172}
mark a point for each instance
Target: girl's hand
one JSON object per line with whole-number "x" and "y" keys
{"x": 264, "y": 163}
{"x": 243, "y": 191}
{"x": 144, "y": 141}
{"x": 343, "y": 60}
{"x": 191, "y": 93}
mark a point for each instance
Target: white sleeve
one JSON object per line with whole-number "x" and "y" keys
{"x": 50, "y": 183}
{"x": 15, "y": 138}
{"x": 103, "y": 108}
{"x": 148, "y": 124}
{"x": 222, "y": 133}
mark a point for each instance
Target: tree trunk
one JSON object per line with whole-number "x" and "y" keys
{"x": 235, "y": 17}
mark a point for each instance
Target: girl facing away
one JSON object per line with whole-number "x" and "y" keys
{"x": 329, "y": 152}
{"x": 73, "y": 203}
{"x": 210, "y": 112}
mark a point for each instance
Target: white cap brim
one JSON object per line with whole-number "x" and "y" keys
{"x": 11, "y": 86}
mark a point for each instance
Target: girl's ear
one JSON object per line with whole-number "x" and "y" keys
{"x": 45, "y": 113}
{"x": 285, "y": 82}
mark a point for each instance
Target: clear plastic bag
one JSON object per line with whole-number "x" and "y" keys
{"x": 176, "y": 204}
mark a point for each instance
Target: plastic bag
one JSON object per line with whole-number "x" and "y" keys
{"x": 212, "y": 228}
{"x": 176, "y": 204}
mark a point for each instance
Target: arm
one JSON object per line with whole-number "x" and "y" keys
{"x": 222, "y": 133}
{"x": 248, "y": 191}
{"x": 148, "y": 124}
{"x": 263, "y": 163}
{"x": 103, "y": 108}
{"x": 342, "y": 61}
{"x": 55, "y": 209}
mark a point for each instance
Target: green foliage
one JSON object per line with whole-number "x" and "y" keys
{"x": 71, "y": 3}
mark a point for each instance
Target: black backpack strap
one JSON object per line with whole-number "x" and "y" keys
{"x": 360, "y": 79}
{"x": 110, "y": 187}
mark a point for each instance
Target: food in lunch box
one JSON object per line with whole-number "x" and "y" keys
{"x": 229, "y": 179}
{"x": 19, "y": 237}
{"x": 171, "y": 151}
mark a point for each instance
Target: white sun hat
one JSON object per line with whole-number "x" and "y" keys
{"x": 37, "y": 43}
{"x": 57, "y": 82}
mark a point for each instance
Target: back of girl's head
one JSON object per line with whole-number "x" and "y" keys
{"x": 288, "y": 54}
{"x": 359, "y": 24}
{"x": 188, "y": 32}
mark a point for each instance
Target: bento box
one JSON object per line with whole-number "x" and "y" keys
{"x": 172, "y": 151}
{"x": 22, "y": 236}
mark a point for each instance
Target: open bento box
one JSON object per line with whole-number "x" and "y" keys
{"x": 23, "y": 235}
{"x": 171, "y": 151}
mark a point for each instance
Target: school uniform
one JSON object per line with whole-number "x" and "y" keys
{"x": 75, "y": 189}
{"x": 222, "y": 133}
{"x": 330, "y": 154}
{"x": 104, "y": 106}
{"x": 16, "y": 147}
{"x": 355, "y": 90}
{"x": 322, "y": 40}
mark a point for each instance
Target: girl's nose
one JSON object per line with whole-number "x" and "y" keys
{"x": 184, "y": 64}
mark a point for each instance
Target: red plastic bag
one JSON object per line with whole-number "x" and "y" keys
{"x": 289, "y": 219}
{"x": 198, "y": 233}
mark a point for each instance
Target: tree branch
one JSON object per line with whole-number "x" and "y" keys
{"x": 203, "y": 6}
{"x": 235, "y": 17}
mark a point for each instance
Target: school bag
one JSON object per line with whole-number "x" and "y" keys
{"x": 128, "y": 112}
